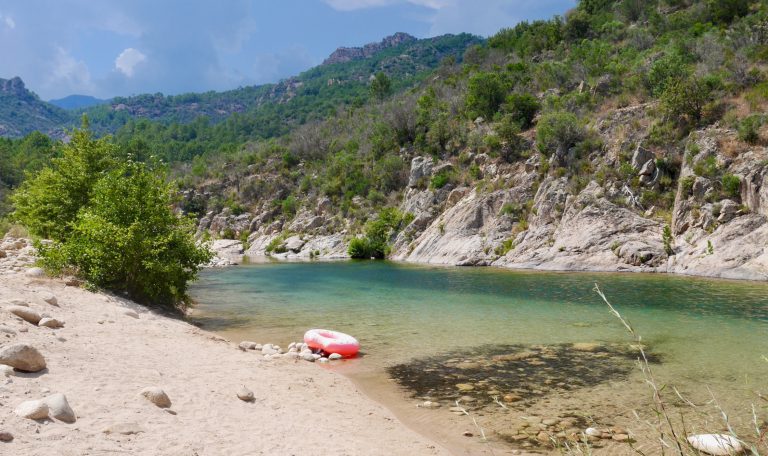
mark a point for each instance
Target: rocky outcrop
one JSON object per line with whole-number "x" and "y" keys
{"x": 346, "y": 54}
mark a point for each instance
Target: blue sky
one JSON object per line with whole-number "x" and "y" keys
{"x": 106, "y": 48}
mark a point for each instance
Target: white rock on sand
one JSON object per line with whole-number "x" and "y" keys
{"x": 34, "y": 410}
{"x": 59, "y": 408}
{"x": 50, "y": 298}
{"x": 244, "y": 394}
{"x": 23, "y": 357}
{"x": 716, "y": 444}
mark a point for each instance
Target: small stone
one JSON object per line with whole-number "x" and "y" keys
{"x": 23, "y": 357}
{"x": 124, "y": 429}
{"x": 620, "y": 437}
{"x": 467, "y": 434}
{"x": 59, "y": 408}
{"x": 156, "y": 396}
{"x": 34, "y": 410}
{"x": 34, "y": 272}
{"x": 322, "y": 359}
{"x": 334, "y": 356}
{"x": 511, "y": 398}
{"x": 5, "y": 436}
{"x": 268, "y": 349}
{"x": 308, "y": 357}
{"x": 543, "y": 437}
{"x": 131, "y": 313}
{"x": 549, "y": 422}
{"x": 464, "y": 387}
{"x": 25, "y": 313}
{"x": 50, "y": 298}
{"x": 593, "y": 432}
{"x": 50, "y": 323}
{"x": 6, "y": 371}
{"x": 244, "y": 394}
{"x": 247, "y": 345}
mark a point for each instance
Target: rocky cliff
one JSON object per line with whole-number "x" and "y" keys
{"x": 521, "y": 215}
{"x": 347, "y": 54}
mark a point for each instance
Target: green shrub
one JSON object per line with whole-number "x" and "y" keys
{"x": 706, "y": 167}
{"x": 375, "y": 243}
{"x": 749, "y": 129}
{"x": 441, "y": 179}
{"x": 666, "y": 238}
{"x": 522, "y": 108}
{"x": 508, "y": 130}
{"x": 485, "y": 94}
{"x": 731, "y": 185}
{"x": 683, "y": 100}
{"x": 276, "y": 244}
{"x": 288, "y": 206}
{"x": 558, "y": 129}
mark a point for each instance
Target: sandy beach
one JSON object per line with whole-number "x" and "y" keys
{"x": 110, "y": 349}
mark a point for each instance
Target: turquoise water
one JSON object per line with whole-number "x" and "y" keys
{"x": 435, "y": 327}
{"x": 709, "y": 330}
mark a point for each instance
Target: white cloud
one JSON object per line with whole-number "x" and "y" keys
{"x": 8, "y": 21}
{"x": 68, "y": 72}
{"x": 352, "y": 5}
{"x": 127, "y": 60}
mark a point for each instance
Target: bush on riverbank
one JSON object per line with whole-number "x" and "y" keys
{"x": 375, "y": 243}
{"x": 111, "y": 222}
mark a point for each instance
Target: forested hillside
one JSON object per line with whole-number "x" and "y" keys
{"x": 624, "y": 134}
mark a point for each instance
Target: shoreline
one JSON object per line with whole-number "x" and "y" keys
{"x": 110, "y": 348}
{"x": 244, "y": 260}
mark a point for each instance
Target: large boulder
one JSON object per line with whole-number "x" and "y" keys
{"x": 22, "y": 357}
{"x": 294, "y": 244}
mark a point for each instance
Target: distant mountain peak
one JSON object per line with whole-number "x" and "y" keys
{"x": 347, "y": 54}
{"x": 13, "y": 86}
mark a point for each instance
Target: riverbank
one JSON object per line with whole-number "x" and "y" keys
{"x": 109, "y": 349}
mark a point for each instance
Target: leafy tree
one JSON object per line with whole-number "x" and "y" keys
{"x": 485, "y": 94}
{"x": 684, "y": 100}
{"x": 381, "y": 86}
{"x": 508, "y": 130}
{"x": 112, "y": 223}
{"x": 48, "y": 203}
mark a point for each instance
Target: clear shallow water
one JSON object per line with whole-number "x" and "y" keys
{"x": 707, "y": 333}
{"x": 704, "y": 329}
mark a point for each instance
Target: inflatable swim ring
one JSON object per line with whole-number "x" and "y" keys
{"x": 332, "y": 342}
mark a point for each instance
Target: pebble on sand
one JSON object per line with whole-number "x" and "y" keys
{"x": 5, "y": 436}
{"x": 156, "y": 396}
{"x": 50, "y": 298}
{"x": 244, "y": 394}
